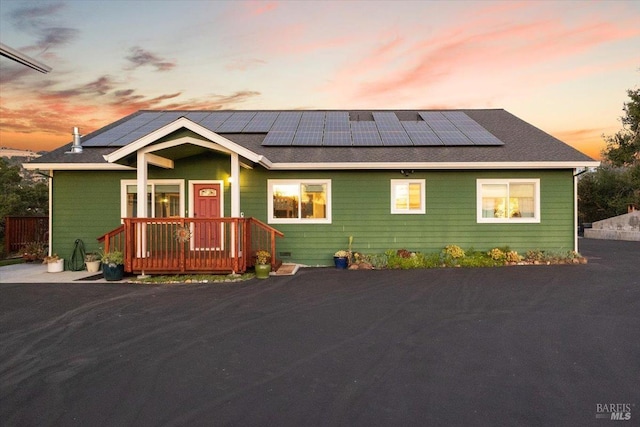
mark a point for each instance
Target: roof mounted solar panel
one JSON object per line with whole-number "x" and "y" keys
{"x": 336, "y": 121}
{"x": 452, "y": 138}
{"x": 261, "y": 122}
{"x": 337, "y": 138}
{"x": 307, "y": 138}
{"x": 421, "y": 134}
{"x": 362, "y": 138}
{"x": 287, "y": 121}
{"x": 364, "y": 127}
{"x": 113, "y": 136}
{"x": 196, "y": 116}
{"x": 215, "y": 119}
{"x": 387, "y": 121}
{"x": 279, "y": 138}
{"x": 236, "y": 122}
{"x": 395, "y": 138}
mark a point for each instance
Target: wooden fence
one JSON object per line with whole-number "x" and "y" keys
{"x": 20, "y": 230}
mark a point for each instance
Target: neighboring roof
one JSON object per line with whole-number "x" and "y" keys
{"x": 509, "y": 142}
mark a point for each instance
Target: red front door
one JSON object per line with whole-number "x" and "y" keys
{"x": 206, "y": 204}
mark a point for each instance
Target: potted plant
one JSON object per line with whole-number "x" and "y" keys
{"x": 263, "y": 264}
{"x": 92, "y": 261}
{"x": 55, "y": 264}
{"x": 341, "y": 259}
{"x": 113, "y": 265}
{"x": 33, "y": 251}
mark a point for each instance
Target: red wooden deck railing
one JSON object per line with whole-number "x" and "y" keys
{"x": 191, "y": 245}
{"x": 113, "y": 240}
{"x": 20, "y": 230}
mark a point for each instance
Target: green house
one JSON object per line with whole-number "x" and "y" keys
{"x": 416, "y": 180}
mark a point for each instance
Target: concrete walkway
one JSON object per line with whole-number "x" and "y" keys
{"x": 37, "y": 273}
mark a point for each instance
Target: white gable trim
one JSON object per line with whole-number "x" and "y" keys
{"x": 220, "y": 141}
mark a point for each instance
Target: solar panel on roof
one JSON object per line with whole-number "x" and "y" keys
{"x": 279, "y": 138}
{"x": 261, "y": 122}
{"x": 441, "y": 125}
{"x": 336, "y": 138}
{"x": 421, "y": 134}
{"x": 215, "y": 119}
{"x": 455, "y": 115}
{"x": 395, "y": 138}
{"x": 236, "y": 122}
{"x": 287, "y": 121}
{"x": 387, "y": 121}
{"x": 366, "y": 138}
{"x": 308, "y": 138}
{"x": 453, "y": 138}
{"x": 364, "y": 126}
{"x": 431, "y": 115}
{"x": 196, "y": 116}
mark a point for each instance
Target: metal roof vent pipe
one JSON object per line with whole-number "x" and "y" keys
{"x": 76, "y": 147}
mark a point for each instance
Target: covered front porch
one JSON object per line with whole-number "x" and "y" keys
{"x": 203, "y": 232}
{"x": 191, "y": 245}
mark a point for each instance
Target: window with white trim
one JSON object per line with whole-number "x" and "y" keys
{"x": 165, "y": 198}
{"x": 508, "y": 200}
{"x": 408, "y": 196}
{"x": 299, "y": 201}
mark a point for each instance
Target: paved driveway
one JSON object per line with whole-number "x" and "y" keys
{"x": 531, "y": 346}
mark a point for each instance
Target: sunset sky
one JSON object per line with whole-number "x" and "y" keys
{"x": 564, "y": 66}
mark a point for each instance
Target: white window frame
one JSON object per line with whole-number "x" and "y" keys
{"x": 398, "y": 182}
{"x": 517, "y": 220}
{"x": 151, "y": 182}
{"x": 299, "y": 182}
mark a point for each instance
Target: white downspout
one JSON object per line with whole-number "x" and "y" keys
{"x": 50, "y": 220}
{"x": 575, "y": 210}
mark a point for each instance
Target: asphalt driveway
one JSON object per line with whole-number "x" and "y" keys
{"x": 530, "y": 346}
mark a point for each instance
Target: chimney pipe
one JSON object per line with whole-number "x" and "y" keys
{"x": 76, "y": 147}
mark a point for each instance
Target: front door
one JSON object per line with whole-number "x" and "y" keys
{"x": 206, "y": 204}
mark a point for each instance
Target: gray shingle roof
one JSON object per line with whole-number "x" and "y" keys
{"x": 518, "y": 140}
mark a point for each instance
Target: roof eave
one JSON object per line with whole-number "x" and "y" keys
{"x": 433, "y": 165}
{"x": 76, "y": 166}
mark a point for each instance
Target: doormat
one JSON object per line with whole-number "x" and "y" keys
{"x": 94, "y": 277}
{"x": 286, "y": 270}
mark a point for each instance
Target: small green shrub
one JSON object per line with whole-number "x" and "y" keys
{"x": 497, "y": 254}
{"x": 534, "y": 256}
{"x": 454, "y": 251}
{"x": 512, "y": 256}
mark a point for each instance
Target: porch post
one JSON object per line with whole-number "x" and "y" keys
{"x": 235, "y": 206}
{"x": 235, "y": 185}
{"x": 141, "y": 210}
{"x": 141, "y": 181}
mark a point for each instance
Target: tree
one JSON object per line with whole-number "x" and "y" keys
{"x": 20, "y": 196}
{"x": 623, "y": 148}
{"x": 615, "y": 184}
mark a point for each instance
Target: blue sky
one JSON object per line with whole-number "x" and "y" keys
{"x": 562, "y": 66}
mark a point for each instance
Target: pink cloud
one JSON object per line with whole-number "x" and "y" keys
{"x": 261, "y": 7}
{"x": 489, "y": 43}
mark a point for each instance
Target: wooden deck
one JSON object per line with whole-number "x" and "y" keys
{"x": 191, "y": 245}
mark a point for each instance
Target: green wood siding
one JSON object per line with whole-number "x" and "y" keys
{"x": 361, "y": 208}
{"x": 87, "y": 205}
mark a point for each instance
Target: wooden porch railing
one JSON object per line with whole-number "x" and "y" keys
{"x": 191, "y": 245}
{"x": 20, "y": 230}
{"x": 113, "y": 240}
